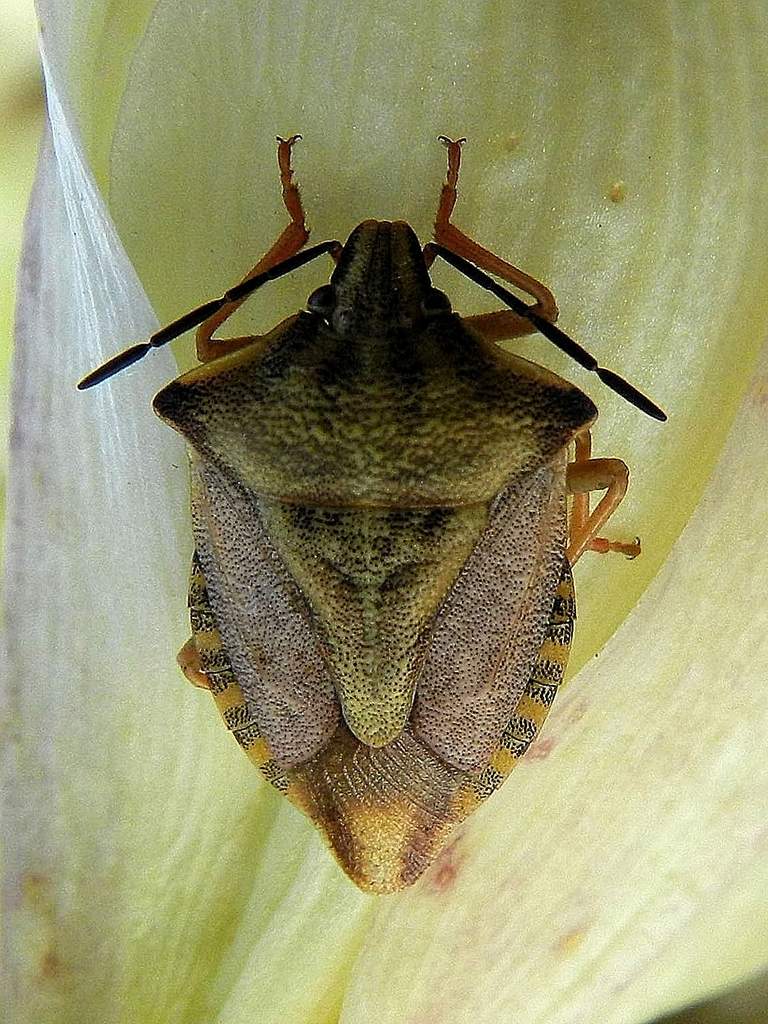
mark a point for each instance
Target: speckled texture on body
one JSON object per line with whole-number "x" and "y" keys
{"x": 426, "y": 414}
{"x": 379, "y": 510}
{"x": 374, "y": 578}
{"x": 489, "y": 630}
{"x": 264, "y": 620}
{"x": 386, "y": 812}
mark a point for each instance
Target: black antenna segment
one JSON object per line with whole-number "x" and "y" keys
{"x": 551, "y": 331}
{"x": 196, "y": 316}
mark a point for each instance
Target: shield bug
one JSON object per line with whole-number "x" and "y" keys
{"x": 381, "y": 595}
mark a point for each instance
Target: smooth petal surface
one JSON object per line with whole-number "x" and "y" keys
{"x": 21, "y": 118}
{"x": 149, "y": 875}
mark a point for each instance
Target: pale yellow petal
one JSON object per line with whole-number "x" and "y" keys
{"x": 617, "y": 154}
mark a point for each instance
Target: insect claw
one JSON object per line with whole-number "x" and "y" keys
{"x": 289, "y": 141}
{"x": 451, "y": 142}
{"x": 631, "y": 555}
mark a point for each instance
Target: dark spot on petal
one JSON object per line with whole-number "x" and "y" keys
{"x": 541, "y": 749}
{"x": 569, "y": 942}
{"x": 442, "y": 876}
{"x": 50, "y": 965}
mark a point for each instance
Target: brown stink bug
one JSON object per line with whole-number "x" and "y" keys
{"x": 381, "y": 594}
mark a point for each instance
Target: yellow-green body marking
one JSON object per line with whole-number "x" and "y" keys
{"x": 369, "y": 823}
{"x": 381, "y": 595}
{"x": 381, "y": 600}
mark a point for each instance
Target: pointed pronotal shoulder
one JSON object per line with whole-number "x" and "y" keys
{"x": 433, "y": 416}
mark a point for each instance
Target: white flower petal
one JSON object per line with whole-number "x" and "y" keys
{"x": 156, "y": 878}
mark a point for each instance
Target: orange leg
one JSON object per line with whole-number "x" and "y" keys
{"x": 291, "y": 240}
{"x": 586, "y": 474}
{"x": 503, "y": 323}
{"x": 189, "y": 663}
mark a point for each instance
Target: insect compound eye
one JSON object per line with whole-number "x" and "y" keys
{"x": 322, "y": 300}
{"x": 436, "y": 302}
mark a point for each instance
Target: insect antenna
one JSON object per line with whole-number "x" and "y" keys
{"x": 552, "y": 332}
{"x": 196, "y": 316}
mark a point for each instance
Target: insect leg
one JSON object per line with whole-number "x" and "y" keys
{"x": 196, "y": 316}
{"x": 291, "y": 240}
{"x": 584, "y": 475}
{"x": 503, "y": 323}
{"x": 188, "y": 659}
{"x": 550, "y": 331}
